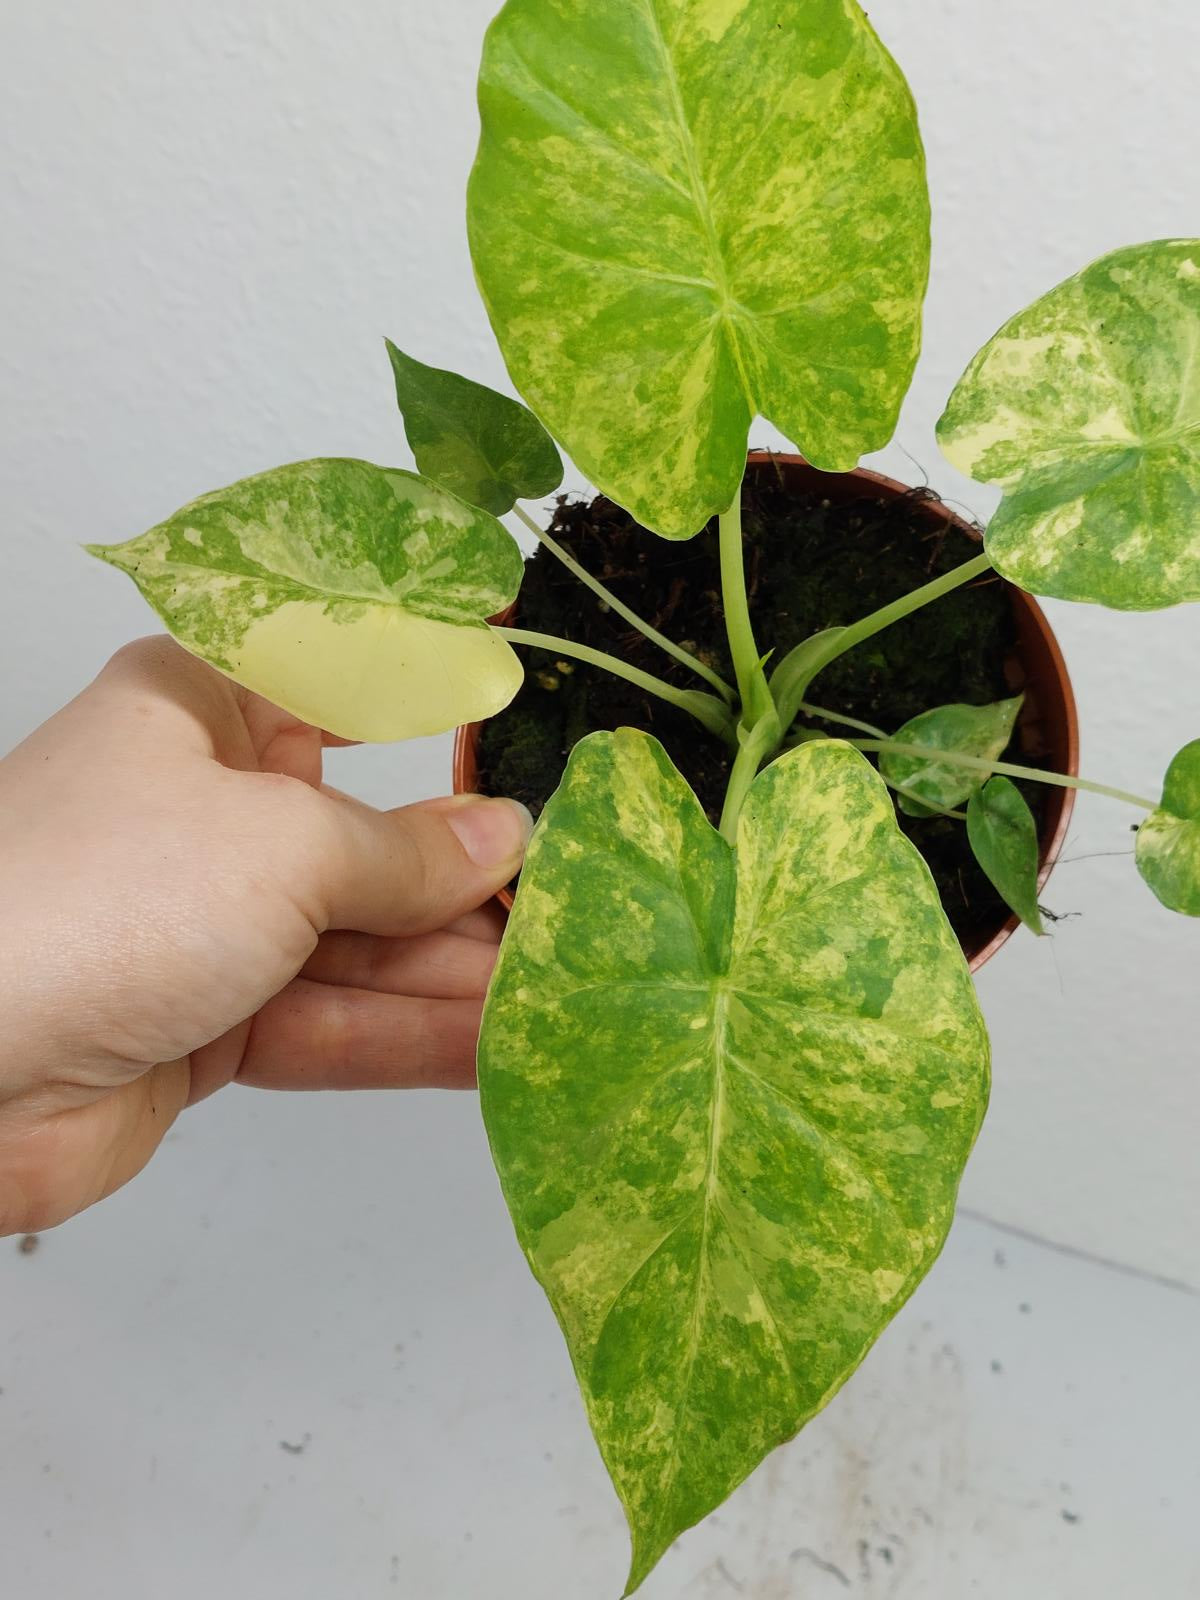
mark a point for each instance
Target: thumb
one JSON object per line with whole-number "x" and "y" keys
{"x": 413, "y": 870}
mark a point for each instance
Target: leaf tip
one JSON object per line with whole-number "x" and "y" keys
{"x": 643, "y": 1559}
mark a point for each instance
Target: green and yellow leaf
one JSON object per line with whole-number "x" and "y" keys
{"x": 730, "y": 1095}
{"x": 1168, "y": 842}
{"x": 1085, "y": 410}
{"x": 351, "y": 595}
{"x": 1003, "y": 835}
{"x": 487, "y": 449}
{"x": 981, "y": 732}
{"x": 685, "y": 213}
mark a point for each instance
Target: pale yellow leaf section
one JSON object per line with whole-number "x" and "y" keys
{"x": 387, "y": 674}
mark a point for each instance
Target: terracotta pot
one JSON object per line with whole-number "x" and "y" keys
{"x": 1048, "y": 726}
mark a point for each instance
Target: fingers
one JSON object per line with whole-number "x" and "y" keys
{"x": 281, "y": 743}
{"x": 393, "y": 873}
{"x": 437, "y": 966}
{"x": 486, "y": 922}
{"x": 164, "y": 693}
{"x": 153, "y": 695}
{"x": 314, "y": 1036}
{"x": 59, "y": 1165}
{"x": 410, "y": 871}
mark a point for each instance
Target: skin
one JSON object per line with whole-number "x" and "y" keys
{"x": 185, "y": 906}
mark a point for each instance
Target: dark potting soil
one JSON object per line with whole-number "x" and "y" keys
{"x": 810, "y": 564}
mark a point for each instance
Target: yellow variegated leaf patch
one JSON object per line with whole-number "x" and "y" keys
{"x": 730, "y": 1095}
{"x": 351, "y": 595}
{"x": 685, "y": 213}
{"x": 1085, "y": 410}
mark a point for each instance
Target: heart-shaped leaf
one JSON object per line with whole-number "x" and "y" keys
{"x": 1085, "y": 409}
{"x": 926, "y": 783}
{"x": 353, "y": 596}
{"x": 730, "y": 1096}
{"x": 684, "y": 214}
{"x": 1168, "y": 842}
{"x": 1003, "y": 835}
{"x": 489, "y": 450}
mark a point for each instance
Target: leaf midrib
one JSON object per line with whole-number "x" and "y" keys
{"x": 728, "y": 309}
{"x": 709, "y": 1202}
{"x": 278, "y": 581}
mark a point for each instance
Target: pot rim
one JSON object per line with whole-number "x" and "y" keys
{"x": 1032, "y": 624}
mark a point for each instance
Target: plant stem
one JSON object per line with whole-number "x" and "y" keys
{"x": 930, "y": 805}
{"x": 868, "y": 626}
{"x": 845, "y": 722}
{"x": 954, "y": 758}
{"x": 801, "y": 665}
{"x": 737, "y": 608}
{"x": 706, "y": 708}
{"x": 760, "y": 741}
{"x": 680, "y": 654}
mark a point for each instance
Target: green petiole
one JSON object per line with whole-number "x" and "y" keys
{"x": 761, "y": 741}
{"x": 800, "y": 666}
{"x": 751, "y": 681}
{"x": 845, "y": 722}
{"x": 706, "y": 708}
{"x": 684, "y": 657}
{"x": 953, "y": 758}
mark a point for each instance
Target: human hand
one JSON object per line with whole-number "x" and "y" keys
{"x": 183, "y": 905}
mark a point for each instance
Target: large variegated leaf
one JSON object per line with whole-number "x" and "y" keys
{"x": 687, "y": 212}
{"x": 353, "y": 596}
{"x": 1085, "y": 409}
{"x": 1168, "y": 842}
{"x": 485, "y": 447}
{"x": 981, "y": 732}
{"x": 730, "y": 1095}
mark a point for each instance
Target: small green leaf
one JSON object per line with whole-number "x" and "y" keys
{"x": 979, "y": 731}
{"x": 489, "y": 450}
{"x": 1085, "y": 409}
{"x": 1168, "y": 842}
{"x": 353, "y": 596}
{"x": 1004, "y": 838}
{"x": 685, "y": 213}
{"x": 730, "y": 1095}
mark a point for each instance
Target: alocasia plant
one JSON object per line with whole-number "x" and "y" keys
{"x": 730, "y": 1076}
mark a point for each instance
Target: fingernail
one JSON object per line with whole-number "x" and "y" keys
{"x": 492, "y": 832}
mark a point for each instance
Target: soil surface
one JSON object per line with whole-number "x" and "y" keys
{"x": 810, "y": 565}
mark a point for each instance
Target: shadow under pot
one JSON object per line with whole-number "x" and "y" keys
{"x": 821, "y": 549}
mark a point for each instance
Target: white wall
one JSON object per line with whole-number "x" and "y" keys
{"x": 209, "y": 216}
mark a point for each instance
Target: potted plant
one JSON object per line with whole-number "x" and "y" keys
{"x": 731, "y": 1074}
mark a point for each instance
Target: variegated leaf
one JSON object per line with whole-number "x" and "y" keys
{"x": 730, "y": 1096}
{"x": 924, "y": 782}
{"x": 1085, "y": 409}
{"x": 351, "y": 595}
{"x": 486, "y": 448}
{"x": 687, "y": 212}
{"x": 1168, "y": 842}
{"x": 1003, "y": 836}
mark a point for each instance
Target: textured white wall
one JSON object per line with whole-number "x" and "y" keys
{"x": 210, "y": 215}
